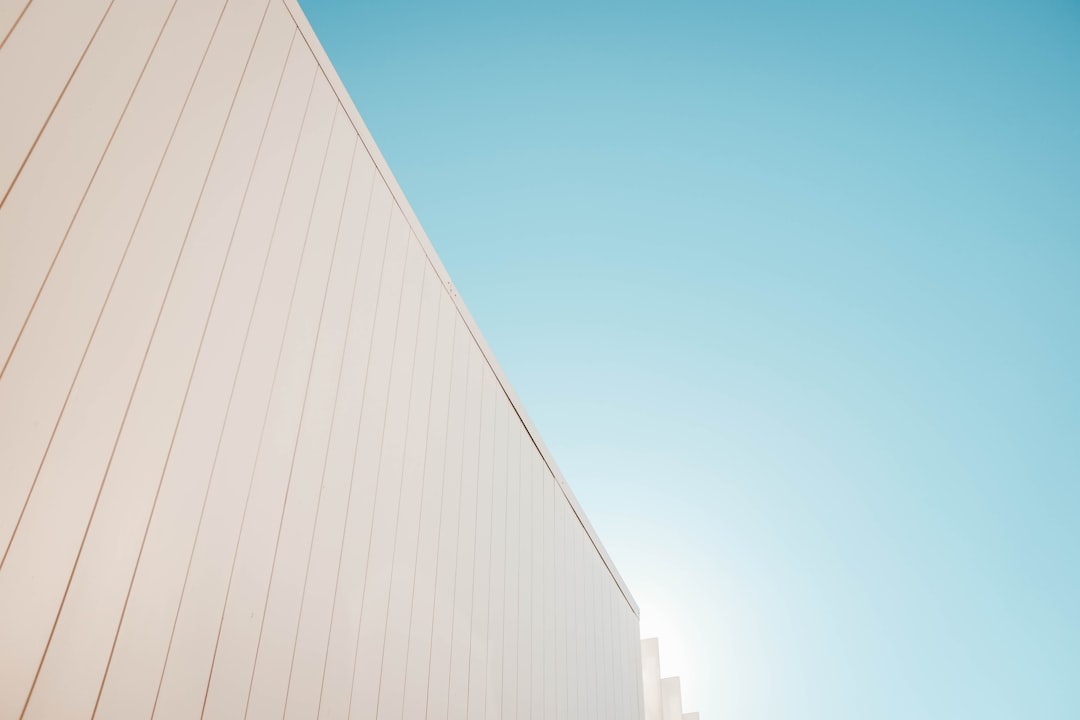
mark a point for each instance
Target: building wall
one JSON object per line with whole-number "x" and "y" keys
{"x": 255, "y": 457}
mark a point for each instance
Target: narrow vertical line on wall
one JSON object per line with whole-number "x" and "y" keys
{"x": 127, "y": 408}
{"x": 516, "y": 591}
{"x": 539, "y": 623}
{"x": 14, "y": 24}
{"x": 438, "y": 525}
{"x": 299, "y": 269}
{"x": 399, "y": 480}
{"x": 266, "y": 415}
{"x": 232, "y": 393}
{"x": 292, "y": 163}
{"x": 56, "y": 104}
{"x": 476, "y": 507}
{"x": 348, "y": 500}
{"x": 333, "y": 411}
{"x": 525, "y": 576}
{"x": 506, "y": 558}
{"x": 183, "y": 404}
{"x": 548, "y": 634}
{"x": 476, "y": 539}
{"x": 198, "y": 351}
{"x": 397, "y": 514}
{"x": 616, "y": 653}
{"x": 458, "y": 558}
{"x": 491, "y": 535}
{"x": 82, "y": 359}
{"x": 378, "y": 470}
{"x": 557, "y": 604}
{"x": 82, "y": 199}
{"x": 423, "y": 492}
{"x": 597, "y": 627}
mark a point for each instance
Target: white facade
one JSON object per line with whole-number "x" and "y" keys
{"x": 255, "y": 456}
{"x": 661, "y": 696}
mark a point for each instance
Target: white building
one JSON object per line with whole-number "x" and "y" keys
{"x": 256, "y": 458}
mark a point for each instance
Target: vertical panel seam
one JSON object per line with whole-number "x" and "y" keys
{"x": 476, "y": 514}
{"x": 423, "y": 489}
{"x": 56, "y": 104}
{"x": 266, "y": 417}
{"x": 288, "y": 487}
{"x": 236, "y": 375}
{"x": 438, "y": 527}
{"x": 378, "y": 465}
{"x": 197, "y": 353}
{"x": 393, "y": 551}
{"x": 108, "y": 465}
{"x": 348, "y": 501}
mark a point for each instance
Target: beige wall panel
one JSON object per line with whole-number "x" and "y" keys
{"x": 511, "y": 632}
{"x": 562, "y": 575}
{"x": 303, "y": 400}
{"x": 36, "y": 210}
{"x": 608, "y": 645}
{"x": 569, "y": 639}
{"x": 462, "y": 615}
{"x": 37, "y": 377}
{"x": 421, "y": 606}
{"x": 538, "y": 590}
{"x": 387, "y": 476}
{"x": 166, "y": 554}
{"x": 577, "y": 622}
{"x": 619, "y": 652}
{"x": 276, "y": 357}
{"x": 86, "y": 627}
{"x": 495, "y": 658}
{"x": 525, "y": 579}
{"x": 290, "y": 456}
{"x": 618, "y": 671}
{"x": 607, "y": 620}
{"x": 585, "y": 675}
{"x": 592, "y": 632}
{"x": 632, "y": 655}
{"x": 582, "y": 675}
{"x": 438, "y": 685}
{"x": 53, "y": 49}
{"x": 551, "y": 670}
{"x": 610, "y": 615}
{"x": 390, "y": 669}
{"x": 309, "y": 542}
{"x": 322, "y": 675}
{"x": 596, "y": 649}
{"x": 476, "y": 691}
{"x": 573, "y": 615}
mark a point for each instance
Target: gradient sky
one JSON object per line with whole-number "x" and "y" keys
{"x": 792, "y": 292}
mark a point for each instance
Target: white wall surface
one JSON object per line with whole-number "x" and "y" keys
{"x": 650, "y": 672}
{"x": 671, "y": 688}
{"x": 255, "y": 457}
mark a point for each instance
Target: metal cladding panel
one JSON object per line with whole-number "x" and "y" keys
{"x": 255, "y": 457}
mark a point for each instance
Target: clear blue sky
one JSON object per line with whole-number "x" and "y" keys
{"x": 792, "y": 291}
